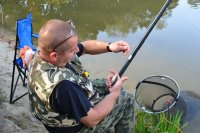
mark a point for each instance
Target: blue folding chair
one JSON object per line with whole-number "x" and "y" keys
{"x": 23, "y": 40}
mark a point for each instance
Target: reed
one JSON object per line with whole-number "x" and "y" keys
{"x": 158, "y": 123}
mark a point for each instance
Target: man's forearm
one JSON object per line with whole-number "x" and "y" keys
{"x": 100, "y": 111}
{"x": 106, "y": 105}
{"x": 94, "y": 47}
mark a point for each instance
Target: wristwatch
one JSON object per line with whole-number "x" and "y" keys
{"x": 108, "y": 47}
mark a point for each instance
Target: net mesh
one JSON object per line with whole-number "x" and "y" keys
{"x": 156, "y": 93}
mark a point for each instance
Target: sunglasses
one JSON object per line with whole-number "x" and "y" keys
{"x": 70, "y": 34}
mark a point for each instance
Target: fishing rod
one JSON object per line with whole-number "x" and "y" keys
{"x": 130, "y": 58}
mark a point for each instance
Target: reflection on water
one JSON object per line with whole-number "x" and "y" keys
{"x": 117, "y": 18}
{"x": 172, "y": 48}
{"x": 194, "y": 3}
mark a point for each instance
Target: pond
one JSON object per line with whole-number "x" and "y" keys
{"x": 171, "y": 49}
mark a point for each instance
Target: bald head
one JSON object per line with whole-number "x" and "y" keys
{"x": 53, "y": 33}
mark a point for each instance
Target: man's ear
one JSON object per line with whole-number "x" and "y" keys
{"x": 53, "y": 56}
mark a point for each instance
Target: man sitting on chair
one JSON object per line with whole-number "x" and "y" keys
{"x": 61, "y": 94}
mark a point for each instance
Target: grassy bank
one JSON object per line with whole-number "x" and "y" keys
{"x": 159, "y": 123}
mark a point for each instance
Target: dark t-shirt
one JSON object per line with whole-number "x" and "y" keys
{"x": 68, "y": 98}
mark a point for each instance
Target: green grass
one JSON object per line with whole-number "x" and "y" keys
{"x": 159, "y": 123}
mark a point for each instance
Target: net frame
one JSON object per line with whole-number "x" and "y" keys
{"x": 175, "y": 95}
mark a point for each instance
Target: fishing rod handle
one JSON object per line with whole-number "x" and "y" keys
{"x": 114, "y": 79}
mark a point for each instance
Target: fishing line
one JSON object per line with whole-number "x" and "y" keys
{"x": 154, "y": 94}
{"x": 132, "y": 55}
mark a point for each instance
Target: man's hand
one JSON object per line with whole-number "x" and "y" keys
{"x": 118, "y": 85}
{"x": 120, "y": 46}
{"x": 105, "y": 106}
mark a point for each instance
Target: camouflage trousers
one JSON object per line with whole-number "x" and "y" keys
{"x": 121, "y": 117}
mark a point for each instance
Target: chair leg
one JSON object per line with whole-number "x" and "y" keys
{"x": 24, "y": 77}
{"x": 24, "y": 80}
{"x": 19, "y": 98}
{"x": 14, "y": 86}
{"x": 12, "y": 83}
